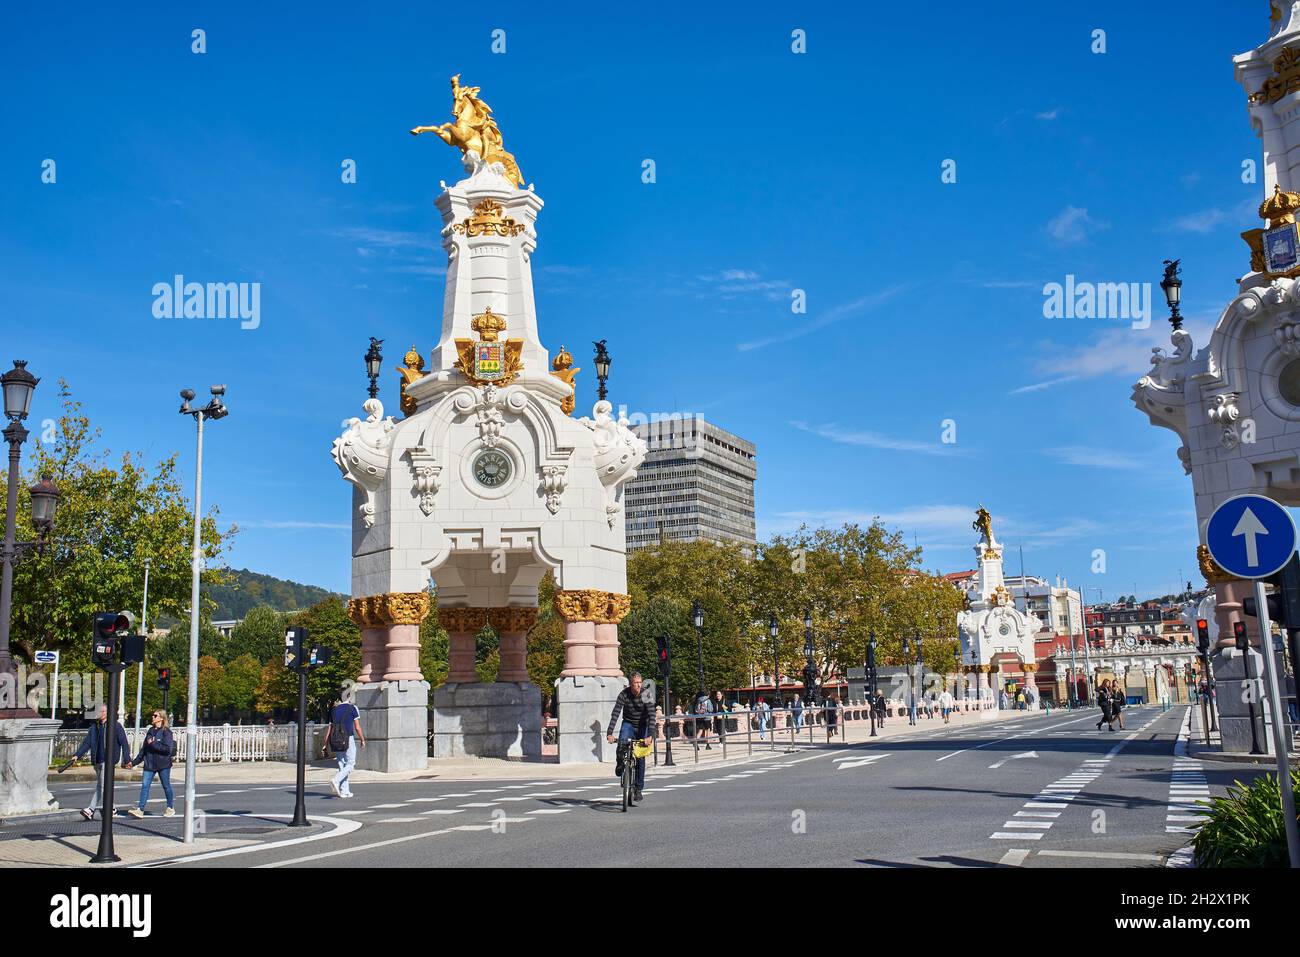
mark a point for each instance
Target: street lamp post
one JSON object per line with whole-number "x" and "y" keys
{"x": 602, "y": 369}
{"x": 374, "y": 359}
{"x": 920, "y": 671}
{"x": 1173, "y": 287}
{"x": 18, "y": 385}
{"x": 144, "y": 630}
{"x": 871, "y": 680}
{"x": 774, "y": 631}
{"x": 911, "y": 689}
{"x": 697, "y": 617}
{"x": 215, "y": 409}
{"x": 808, "y": 649}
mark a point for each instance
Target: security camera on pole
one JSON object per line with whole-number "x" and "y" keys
{"x": 1253, "y": 537}
{"x": 215, "y": 409}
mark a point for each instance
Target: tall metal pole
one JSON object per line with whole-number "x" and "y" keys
{"x": 104, "y": 854}
{"x": 1279, "y": 727}
{"x": 15, "y": 435}
{"x": 300, "y": 802}
{"x": 192, "y": 704}
{"x": 144, "y": 630}
{"x": 1087, "y": 658}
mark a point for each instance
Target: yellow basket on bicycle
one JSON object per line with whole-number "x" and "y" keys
{"x": 640, "y": 750}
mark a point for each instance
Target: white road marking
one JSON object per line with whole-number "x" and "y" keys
{"x": 442, "y": 810}
{"x": 342, "y": 826}
{"x": 552, "y": 810}
{"x": 1014, "y": 857}
{"x": 1017, "y": 836}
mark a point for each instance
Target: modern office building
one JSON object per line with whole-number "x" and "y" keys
{"x": 697, "y": 482}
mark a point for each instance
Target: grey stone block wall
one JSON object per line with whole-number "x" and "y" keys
{"x": 498, "y": 720}
{"x": 394, "y": 719}
{"x": 1230, "y": 696}
{"x": 583, "y": 708}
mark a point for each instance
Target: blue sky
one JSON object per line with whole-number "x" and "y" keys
{"x": 775, "y": 172}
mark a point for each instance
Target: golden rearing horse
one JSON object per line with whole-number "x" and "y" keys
{"x": 474, "y": 130}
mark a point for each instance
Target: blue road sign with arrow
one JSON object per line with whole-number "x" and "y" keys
{"x": 1251, "y": 536}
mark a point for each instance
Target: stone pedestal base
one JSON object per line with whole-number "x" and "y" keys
{"x": 584, "y": 706}
{"x": 500, "y": 720}
{"x": 24, "y": 765}
{"x": 1229, "y": 667}
{"x": 395, "y": 720}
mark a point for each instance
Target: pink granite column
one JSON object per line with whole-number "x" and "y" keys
{"x": 462, "y": 626}
{"x": 512, "y": 625}
{"x": 390, "y": 634}
{"x": 607, "y": 650}
{"x": 579, "y": 649}
{"x": 402, "y": 653}
{"x": 1227, "y": 609}
{"x": 372, "y": 653}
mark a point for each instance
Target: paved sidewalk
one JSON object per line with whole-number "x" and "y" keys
{"x": 1197, "y": 748}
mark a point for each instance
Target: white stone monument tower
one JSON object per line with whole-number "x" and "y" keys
{"x": 992, "y": 625}
{"x": 485, "y": 485}
{"x": 1235, "y": 403}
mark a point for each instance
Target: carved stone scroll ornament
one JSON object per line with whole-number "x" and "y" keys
{"x": 428, "y": 476}
{"x": 362, "y": 454}
{"x": 554, "y": 481}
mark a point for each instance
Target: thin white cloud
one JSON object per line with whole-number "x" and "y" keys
{"x": 1205, "y": 221}
{"x": 1040, "y": 386}
{"x": 1048, "y": 114}
{"x": 1009, "y": 284}
{"x": 383, "y": 238}
{"x": 1074, "y": 225}
{"x": 835, "y": 314}
{"x": 874, "y": 440}
{"x": 1095, "y": 458}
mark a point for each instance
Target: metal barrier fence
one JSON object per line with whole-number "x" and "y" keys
{"x": 218, "y": 744}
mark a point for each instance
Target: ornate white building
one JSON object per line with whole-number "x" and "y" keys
{"x": 992, "y": 627}
{"x": 1235, "y": 402}
{"x": 482, "y": 487}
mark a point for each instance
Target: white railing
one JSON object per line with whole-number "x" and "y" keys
{"x": 216, "y": 744}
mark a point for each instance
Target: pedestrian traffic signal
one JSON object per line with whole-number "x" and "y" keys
{"x": 1276, "y": 609}
{"x": 665, "y": 659}
{"x": 109, "y": 629}
{"x": 164, "y": 679}
{"x": 1239, "y": 633}
{"x": 319, "y": 655}
{"x": 295, "y": 644}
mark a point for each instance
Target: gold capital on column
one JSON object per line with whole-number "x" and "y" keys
{"x": 512, "y": 618}
{"x": 462, "y": 619}
{"x": 591, "y": 604}
{"x": 1030, "y": 668}
{"x": 393, "y": 608}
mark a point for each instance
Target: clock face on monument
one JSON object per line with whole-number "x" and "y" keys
{"x": 492, "y": 469}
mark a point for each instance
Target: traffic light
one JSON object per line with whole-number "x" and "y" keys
{"x": 319, "y": 655}
{"x": 1239, "y": 633}
{"x": 665, "y": 658}
{"x": 1276, "y": 609}
{"x": 109, "y": 631}
{"x": 1203, "y": 635}
{"x": 295, "y": 645}
{"x": 164, "y": 679}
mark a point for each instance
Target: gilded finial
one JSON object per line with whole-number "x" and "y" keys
{"x": 562, "y": 370}
{"x": 413, "y": 371}
{"x": 488, "y": 325}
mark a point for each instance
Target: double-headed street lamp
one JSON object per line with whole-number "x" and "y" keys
{"x": 18, "y": 385}
{"x": 215, "y": 409}
{"x": 697, "y": 617}
{"x": 808, "y": 649}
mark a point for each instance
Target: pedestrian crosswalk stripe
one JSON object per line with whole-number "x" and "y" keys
{"x": 1017, "y": 836}
{"x": 442, "y": 810}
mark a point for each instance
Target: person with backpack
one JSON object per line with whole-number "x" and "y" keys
{"x": 96, "y": 745}
{"x": 345, "y": 732}
{"x": 157, "y": 751}
{"x": 832, "y": 715}
{"x": 704, "y": 711}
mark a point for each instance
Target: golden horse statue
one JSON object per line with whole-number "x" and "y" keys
{"x": 984, "y": 524}
{"x": 474, "y": 131}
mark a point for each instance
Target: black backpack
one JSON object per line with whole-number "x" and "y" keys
{"x": 338, "y": 736}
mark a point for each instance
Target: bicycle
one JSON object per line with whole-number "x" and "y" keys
{"x": 630, "y": 751}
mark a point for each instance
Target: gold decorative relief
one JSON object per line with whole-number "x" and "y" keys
{"x": 488, "y": 360}
{"x": 513, "y": 618}
{"x": 561, "y": 366}
{"x": 1210, "y": 569}
{"x": 1286, "y": 78}
{"x": 469, "y": 620}
{"x": 394, "y": 608}
{"x": 488, "y": 220}
{"x": 590, "y": 604}
{"x": 413, "y": 371}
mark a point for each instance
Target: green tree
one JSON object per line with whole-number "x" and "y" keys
{"x": 328, "y": 624}
{"x": 238, "y": 684}
{"x": 110, "y": 517}
{"x": 260, "y": 634}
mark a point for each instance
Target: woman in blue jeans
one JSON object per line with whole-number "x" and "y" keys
{"x": 156, "y": 751}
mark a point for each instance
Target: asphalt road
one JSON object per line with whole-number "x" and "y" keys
{"x": 1046, "y": 792}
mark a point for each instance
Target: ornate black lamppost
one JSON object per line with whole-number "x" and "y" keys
{"x": 911, "y": 690}
{"x": 374, "y": 359}
{"x": 18, "y": 385}
{"x": 602, "y": 369}
{"x": 1173, "y": 287}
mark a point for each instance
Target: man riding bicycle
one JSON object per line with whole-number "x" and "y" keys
{"x": 638, "y": 723}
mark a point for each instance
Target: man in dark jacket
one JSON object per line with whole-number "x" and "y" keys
{"x": 638, "y": 723}
{"x": 96, "y": 745}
